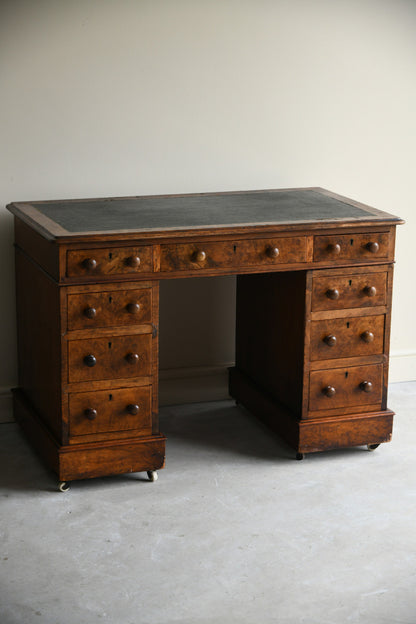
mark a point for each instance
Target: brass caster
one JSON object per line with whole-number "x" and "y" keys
{"x": 300, "y": 456}
{"x": 63, "y": 486}
{"x": 152, "y": 474}
{"x": 372, "y": 447}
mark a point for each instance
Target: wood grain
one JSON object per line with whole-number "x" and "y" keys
{"x": 112, "y": 358}
{"x": 112, "y": 411}
{"x": 109, "y": 308}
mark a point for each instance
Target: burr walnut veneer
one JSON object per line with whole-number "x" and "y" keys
{"x": 314, "y": 282}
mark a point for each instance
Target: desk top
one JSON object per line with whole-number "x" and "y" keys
{"x": 290, "y": 208}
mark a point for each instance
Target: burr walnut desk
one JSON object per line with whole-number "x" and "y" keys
{"x": 314, "y": 282}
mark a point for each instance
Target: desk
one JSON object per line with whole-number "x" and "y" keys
{"x": 314, "y": 283}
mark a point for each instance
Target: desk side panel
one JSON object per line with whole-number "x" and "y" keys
{"x": 39, "y": 344}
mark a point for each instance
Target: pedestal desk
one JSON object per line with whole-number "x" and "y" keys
{"x": 314, "y": 282}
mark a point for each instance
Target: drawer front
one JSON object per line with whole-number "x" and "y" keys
{"x": 339, "y": 338}
{"x": 361, "y": 247}
{"x": 118, "y": 357}
{"x": 103, "y": 309}
{"x": 271, "y": 251}
{"x": 197, "y": 257}
{"x": 110, "y": 411}
{"x": 349, "y": 291}
{"x": 101, "y": 262}
{"x": 355, "y": 386}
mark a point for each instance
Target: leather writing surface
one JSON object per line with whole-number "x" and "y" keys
{"x": 210, "y": 210}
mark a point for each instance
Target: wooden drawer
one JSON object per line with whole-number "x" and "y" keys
{"x": 355, "y": 290}
{"x": 352, "y": 387}
{"x": 110, "y": 411}
{"x": 103, "y": 309}
{"x": 119, "y": 357}
{"x": 349, "y": 247}
{"x": 197, "y": 256}
{"x": 270, "y": 251}
{"x": 339, "y": 338}
{"x": 110, "y": 261}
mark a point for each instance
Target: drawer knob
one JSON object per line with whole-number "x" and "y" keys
{"x": 329, "y": 391}
{"x": 90, "y": 264}
{"x": 132, "y": 358}
{"x": 90, "y": 413}
{"x": 200, "y": 256}
{"x": 334, "y": 249}
{"x": 133, "y": 308}
{"x": 373, "y": 246}
{"x": 90, "y": 360}
{"x": 366, "y": 386}
{"x": 332, "y": 293}
{"x": 133, "y": 409}
{"x": 367, "y": 336}
{"x": 90, "y": 313}
{"x": 272, "y": 252}
{"x": 330, "y": 340}
{"x": 133, "y": 261}
{"x": 370, "y": 291}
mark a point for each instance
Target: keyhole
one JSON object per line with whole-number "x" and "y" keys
{"x": 346, "y": 373}
{"x": 109, "y": 345}
{"x": 350, "y": 282}
{"x": 110, "y": 299}
{"x": 352, "y": 241}
{"x": 348, "y": 324}
{"x": 235, "y": 248}
{"x": 110, "y": 397}
{"x": 110, "y": 255}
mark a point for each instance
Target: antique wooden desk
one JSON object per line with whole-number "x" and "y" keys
{"x": 312, "y": 322}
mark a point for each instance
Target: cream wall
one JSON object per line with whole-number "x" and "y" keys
{"x": 123, "y": 97}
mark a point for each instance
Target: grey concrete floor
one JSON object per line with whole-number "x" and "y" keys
{"x": 234, "y": 530}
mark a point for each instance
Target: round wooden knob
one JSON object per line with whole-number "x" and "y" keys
{"x": 332, "y": 293}
{"x": 132, "y": 358}
{"x": 366, "y": 386}
{"x": 370, "y": 291}
{"x": 90, "y": 360}
{"x": 90, "y": 413}
{"x": 367, "y": 336}
{"x": 334, "y": 248}
{"x": 90, "y": 264}
{"x": 272, "y": 252}
{"x": 133, "y": 308}
{"x": 200, "y": 256}
{"x": 373, "y": 246}
{"x": 90, "y": 313}
{"x": 329, "y": 391}
{"x": 330, "y": 340}
{"x": 133, "y": 409}
{"x": 133, "y": 261}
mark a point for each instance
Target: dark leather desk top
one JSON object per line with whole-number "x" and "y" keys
{"x": 292, "y": 207}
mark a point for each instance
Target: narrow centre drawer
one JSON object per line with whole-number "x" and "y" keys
{"x": 110, "y": 411}
{"x": 352, "y": 387}
{"x": 197, "y": 256}
{"x": 109, "y": 358}
{"x": 271, "y": 251}
{"x": 103, "y": 309}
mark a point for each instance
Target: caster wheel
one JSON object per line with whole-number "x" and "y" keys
{"x": 63, "y": 486}
{"x": 372, "y": 447}
{"x": 152, "y": 474}
{"x": 300, "y": 456}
